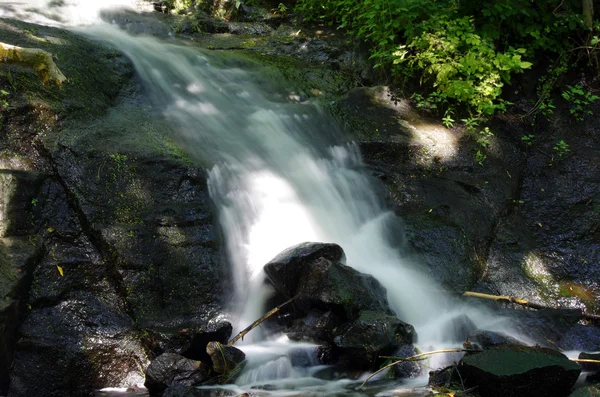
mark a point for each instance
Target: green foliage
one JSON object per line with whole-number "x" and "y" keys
{"x": 561, "y": 148}
{"x": 463, "y": 52}
{"x": 528, "y": 139}
{"x": 281, "y": 9}
{"x": 3, "y": 101}
{"x": 579, "y": 101}
{"x": 460, "y": 64}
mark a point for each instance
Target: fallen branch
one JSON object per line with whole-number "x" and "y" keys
{"x": 41, "y": 61}
{"x": 415, "y": 358}
{"x": 524, "y": 302}
{"x": 585, "y": 360}
{"x": 257, "y": 323}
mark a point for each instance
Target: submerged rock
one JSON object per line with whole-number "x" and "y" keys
{"x": 519, "y": 371}
{"x": 170, "y": 369}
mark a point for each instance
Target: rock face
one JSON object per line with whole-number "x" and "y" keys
{"x": 524, "y": 223}
{"x": 336, "y": 305}
{"x": 104, "y": 240}
{"x": 519, "y": 371}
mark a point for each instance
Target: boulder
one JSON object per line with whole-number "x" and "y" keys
{"x": 224, "y": 358}
{"x": 517, "y": 371}
{"x": 170, "y": 370}
{"x": 315, "y": 275}
{"x": 372, "y": 334}
{"x": 284, "y": 271}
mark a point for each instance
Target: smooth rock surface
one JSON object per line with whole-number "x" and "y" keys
{"x": 519, "y": 371}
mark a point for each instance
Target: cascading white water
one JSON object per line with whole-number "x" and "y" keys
{"x": 278, "y": 175}
{"x": 276, "y": 182}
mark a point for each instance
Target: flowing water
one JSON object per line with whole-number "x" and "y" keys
{"x": 279, "y": 174}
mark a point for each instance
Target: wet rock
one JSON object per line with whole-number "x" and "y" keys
{"x": 405, "y": 369}
{"x": 373, "y": 334}
{"x": 224, "y": 358}
{"x": 285, "y": 270}
{"x": 17, "y": 255}
{"x": 484, "y": 339}
{"x": 581, "y": 337}
{"x": 316, "y": 325}
{"x": 519, "y": 371}
{"x": 170, "y": 369}
{"x": 544, "y": 327}
{"x": 449, "y": 204}
{"x": 125, "y": 226}
{"x": 309, "y": 273}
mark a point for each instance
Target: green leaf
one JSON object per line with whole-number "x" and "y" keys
{"x": 526, "y": 65}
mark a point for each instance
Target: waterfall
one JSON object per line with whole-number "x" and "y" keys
{"x": 279, "y": 173}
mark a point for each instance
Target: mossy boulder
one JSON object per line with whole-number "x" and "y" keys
{"x": 515, "y": 371}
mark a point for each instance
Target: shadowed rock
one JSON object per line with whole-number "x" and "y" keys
{"x": 170, "y": 369}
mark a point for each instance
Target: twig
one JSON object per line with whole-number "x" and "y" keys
{"x": 413, "y": 358}
{"x": 257, "y": 323}
{"x": 523, "y": 302}
{"x": 585, "y": 360}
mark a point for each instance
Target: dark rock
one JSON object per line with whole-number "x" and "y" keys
{"x": 488, "y": 339}
{"x": 285, "y": 270}
{"x": 126, "y": 220}
{"x": 519, "y": 371}
{"x": 224, "y": 358}
{"x": 450, "y": 205}
{"x": 544, "y": 327}
{"x": 328, "y": 285}
{"x": 315, "y": 326}
{"x": 17, "y": 256}
{"x": 373, "y": 334}
{"x": 581, "y": 337}
{"x": 405, "y": 369}
{"x": 170, "y": 369}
